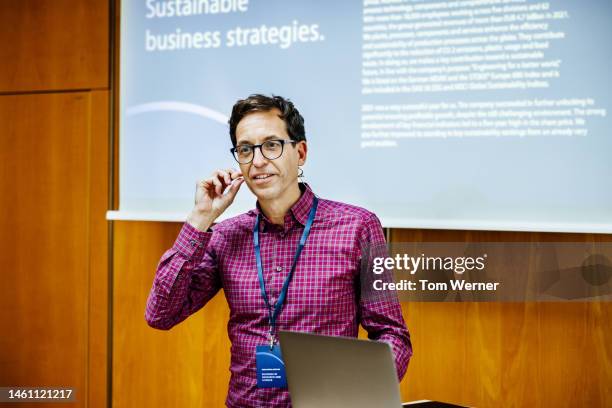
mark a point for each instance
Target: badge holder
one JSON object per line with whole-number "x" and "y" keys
{"x": 270, "y": 366}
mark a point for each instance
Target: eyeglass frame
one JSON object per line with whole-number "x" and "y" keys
{"x": 282, "y": 142}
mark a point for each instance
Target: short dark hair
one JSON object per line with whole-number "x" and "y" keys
{"x": 294, "y": 122}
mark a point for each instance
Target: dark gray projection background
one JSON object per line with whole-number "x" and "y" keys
{"x": 433, "y": 114}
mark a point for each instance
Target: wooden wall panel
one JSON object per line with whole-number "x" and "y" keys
{"x": 54, "y": 45}
{"x": 510, "y": 354}
{"x": 98, "y": 241}
{"x": 54, "y": 182}
{"x": 187, "y": 366}
{"x": 44, "y": 234}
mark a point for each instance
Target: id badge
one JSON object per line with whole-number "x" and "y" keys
{"x": 270, "y": 367}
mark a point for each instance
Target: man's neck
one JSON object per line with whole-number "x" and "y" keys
{"x": 276, "y": 209}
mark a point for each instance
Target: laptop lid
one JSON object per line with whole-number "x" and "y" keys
{"x": 332, "y": 372}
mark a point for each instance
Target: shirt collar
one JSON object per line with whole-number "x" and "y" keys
{"x": 298, "y": 212}
{"x": 301, "y": 209}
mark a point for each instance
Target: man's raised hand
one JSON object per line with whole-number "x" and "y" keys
{"x": 213, "y": 196}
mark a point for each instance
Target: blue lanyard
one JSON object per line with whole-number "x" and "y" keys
{"x": 274, "y": 312}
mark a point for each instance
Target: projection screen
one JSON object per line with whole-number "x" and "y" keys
{"x": 478, "y": 114}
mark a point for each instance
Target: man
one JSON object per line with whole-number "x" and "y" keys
{"x": 269, "y": 285}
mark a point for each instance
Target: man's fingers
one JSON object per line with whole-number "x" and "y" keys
{"x": 234, "y": 174}
{"x": 220, "y": 180}
{"x": 225, "y": 176}
{"x": 206, "y": 184}
{"x": 218, "y": 185}
{"x": 234, "y": 187}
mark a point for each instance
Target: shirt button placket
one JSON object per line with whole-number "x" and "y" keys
{"x": 274, "y": 278}
{"x": 278, "y": 260}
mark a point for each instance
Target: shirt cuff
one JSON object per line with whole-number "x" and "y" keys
{"x": 191, "y": 242}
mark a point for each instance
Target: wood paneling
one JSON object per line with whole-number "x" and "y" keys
{"x": 54, "y": 45}
{"x": 509, "y": 354}
{"x": 187, "y": 366}
{"x": 98, "y": 240}
{"x": 48, "y": 172}
{"x": 54, "y": 184}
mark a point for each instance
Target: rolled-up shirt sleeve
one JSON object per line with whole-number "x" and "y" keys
{"x": 186, "y": 279}
{"x": 381, "y": 316}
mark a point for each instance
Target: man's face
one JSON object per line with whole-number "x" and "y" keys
{"x": 269, "y": 179}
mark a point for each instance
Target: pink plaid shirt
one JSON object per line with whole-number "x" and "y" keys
{"x": 323, "y": 296}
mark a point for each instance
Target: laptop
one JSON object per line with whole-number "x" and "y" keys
{"x": 333, "y": 372}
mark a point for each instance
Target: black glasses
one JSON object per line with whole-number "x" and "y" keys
{"x": 270, "y": 149}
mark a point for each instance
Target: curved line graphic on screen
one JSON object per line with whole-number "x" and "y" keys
{"x": 176, "y": 106}
{"x": 270, "y": 355}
